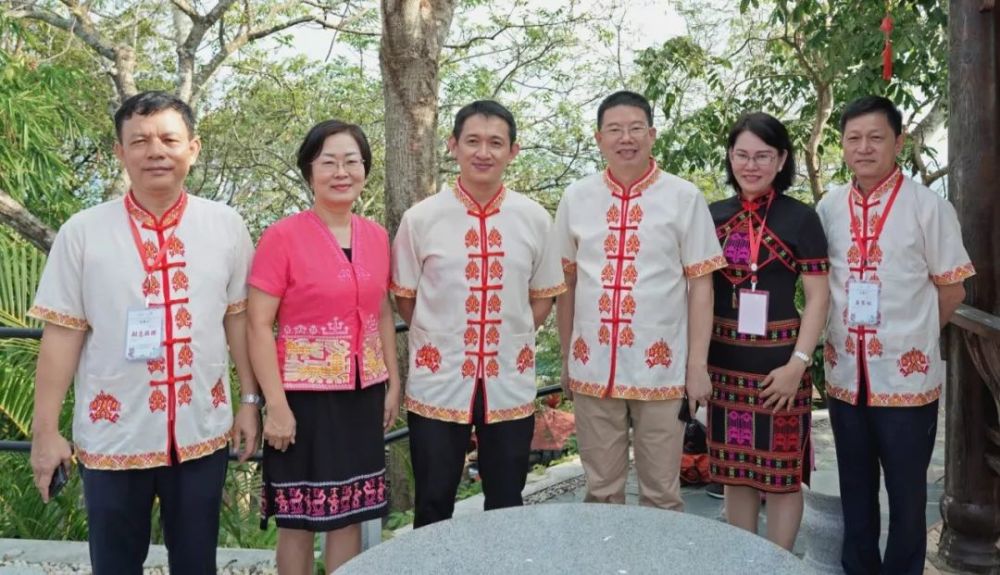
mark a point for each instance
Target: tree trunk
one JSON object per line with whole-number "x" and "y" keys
{"x": 824, "y": 108}
{"x": 25, "y": 223}
{"x": 413, "y": 32}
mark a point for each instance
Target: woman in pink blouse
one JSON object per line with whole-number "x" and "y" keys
{"x": 323, "y": 275}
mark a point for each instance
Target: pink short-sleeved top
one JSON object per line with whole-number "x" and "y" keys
{"x": 328, "y": 317}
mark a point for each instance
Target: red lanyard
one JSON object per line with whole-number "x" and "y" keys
{"x": 161, "y": 255}
{"x": 756, "y": 241}
{"x": 858, "y": 237}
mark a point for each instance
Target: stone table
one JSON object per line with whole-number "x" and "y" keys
{"x": 576, "y": 538}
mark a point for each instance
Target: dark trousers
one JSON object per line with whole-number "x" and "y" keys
{"x": 119, "y": 512}
{"x": 437, "y": 451}
{"x": 901, "y": 439}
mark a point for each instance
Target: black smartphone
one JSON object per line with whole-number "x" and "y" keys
{"x": 685, "y": 413}
{"x": 60, "y": 477}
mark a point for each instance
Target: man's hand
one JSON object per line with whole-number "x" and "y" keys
{"x": 699, "y": 387}
{"x": 246, "y": 431}
{"x": 48, "y": 451}
{"x": 279, "y": 426}
{"x": 564, "y": 381}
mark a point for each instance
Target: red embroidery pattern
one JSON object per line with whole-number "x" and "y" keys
{"x": 608, "y": 274}
{"x": 604, "y": 303}
{"x": 631, "y": 275}
{"x": 875, "y": 254}
{"x": 830, "y": 354}
{"x": 428, "y": 356}
{"x": 635, "y": 215}
{"x": 175, "y": 246}
{"x": 157, "y": 401}
{"x": 494, "y": 304}
{"x": 706, "y": 267}
{"x": 622, "y": 391}
{"x": 659, "y": 354}
{"x": 184, "y": 395}
{"x": 525, "y": 359}
{"x": 471, "y": 336}
{"x": 51, "y": 316}
{"x": 568, "y": 266}
{"x": 626, "y": 337}
{"x": 632, "y": 244}
{"x": 581, "y": 351}
{"x": 471, "y": 271}
{"x": 849, "y": 348}
{"x": 853, "y": 255}
{"x": 913, "y": 361}
{"x": 611, "y": 244}
{"x": 151, "y": 286}
{"x": 472, "y": 304}
{"x": 218, "y": 393}
{"x": 155, "y": 365}
{"x": 149, "y": 250}
{"x": 185, "y": 357}
{"x": 105, "y": 406}
{"x": 493, "y": 335}
{"x": 955, "y": 275}
{"x": 495, "y": 239}
{"x": 496, "y": 270}
{"x": 179, "y": 281}
{"x": 904, "y": 399}
{"x": 604, "y": 335}
{"x": 471, "y": 238}
{"x": 492, "y": 368}
{"x": 182, "y": 318}
{"x": 469, "y": 368}
{"x": 628, "y": 305}
{"x": 874, "y": 347}
{"x": 614, "y": 214}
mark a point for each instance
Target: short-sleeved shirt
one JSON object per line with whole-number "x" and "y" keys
{"x": 633, "y": 249}
{"x": 132, "y": 414}
{"x": 473, "y": 270}
{"x": 330, "y": 306}
{"x": 920, "y": 247}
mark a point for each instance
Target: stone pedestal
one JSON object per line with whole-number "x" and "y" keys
{"x": 823, "y": 530}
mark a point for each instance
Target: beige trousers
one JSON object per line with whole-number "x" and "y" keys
{"x": 602, "y": 427}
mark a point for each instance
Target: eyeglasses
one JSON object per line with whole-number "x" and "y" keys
{"x": 761, "y": 160}
{"x": 333, "y": 166}
{"x": 617, "y": 132}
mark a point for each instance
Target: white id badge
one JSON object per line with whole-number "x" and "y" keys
{"x": 753, "y": 312}
{"x": 863, "y": 302}
{"x": 144, "y": 334}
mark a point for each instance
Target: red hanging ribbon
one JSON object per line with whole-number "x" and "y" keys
{"x": 886, "y": 28}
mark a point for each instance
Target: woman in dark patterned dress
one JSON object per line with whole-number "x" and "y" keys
{"x": 759, "y": 411}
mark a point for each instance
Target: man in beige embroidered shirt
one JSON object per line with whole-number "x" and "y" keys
{"x": 638, "y": 247}
{"x": 140, "y": 296}
{"x": 896, "y": 269}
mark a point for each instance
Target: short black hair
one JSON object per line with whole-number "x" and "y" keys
{"x": 871, "y": 105}
{"x": 149, "y": 103}
{"x": 773, "y": 132}
{"x": 490, "y": 109}
{"x": 312, "y": 145}
{"x": 624, "y": 98}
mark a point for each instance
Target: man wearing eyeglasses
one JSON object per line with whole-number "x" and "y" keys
{"x": 638, "y": 249}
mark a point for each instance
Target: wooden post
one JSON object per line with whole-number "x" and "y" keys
{"x": 970, "y": 505}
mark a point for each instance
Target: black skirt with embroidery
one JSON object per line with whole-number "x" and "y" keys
{"x": 334, "y": 473}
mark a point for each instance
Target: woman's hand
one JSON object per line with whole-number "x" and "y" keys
{"x": 279, "y": 426}
{"x": 781, "y": 385}
{"x": 391, "y": 406}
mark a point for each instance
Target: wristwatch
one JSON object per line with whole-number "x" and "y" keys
{"x": 806, "y": 359}
{"x": 252, "y": 399}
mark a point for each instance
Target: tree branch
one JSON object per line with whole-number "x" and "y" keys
{"x": 18, "y": 218}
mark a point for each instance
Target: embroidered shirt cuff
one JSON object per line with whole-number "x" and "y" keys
{"x": 705, "y": 267}
{"x": 61, "y": 319}
{"x": 814, "y": 267}
{"x": 400, "y": 291}
{"x": 569, "y": 267}
{"x": 955, "y": 275}
{"x": 547, "y": 292}
{"x": 238, "y": 307}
